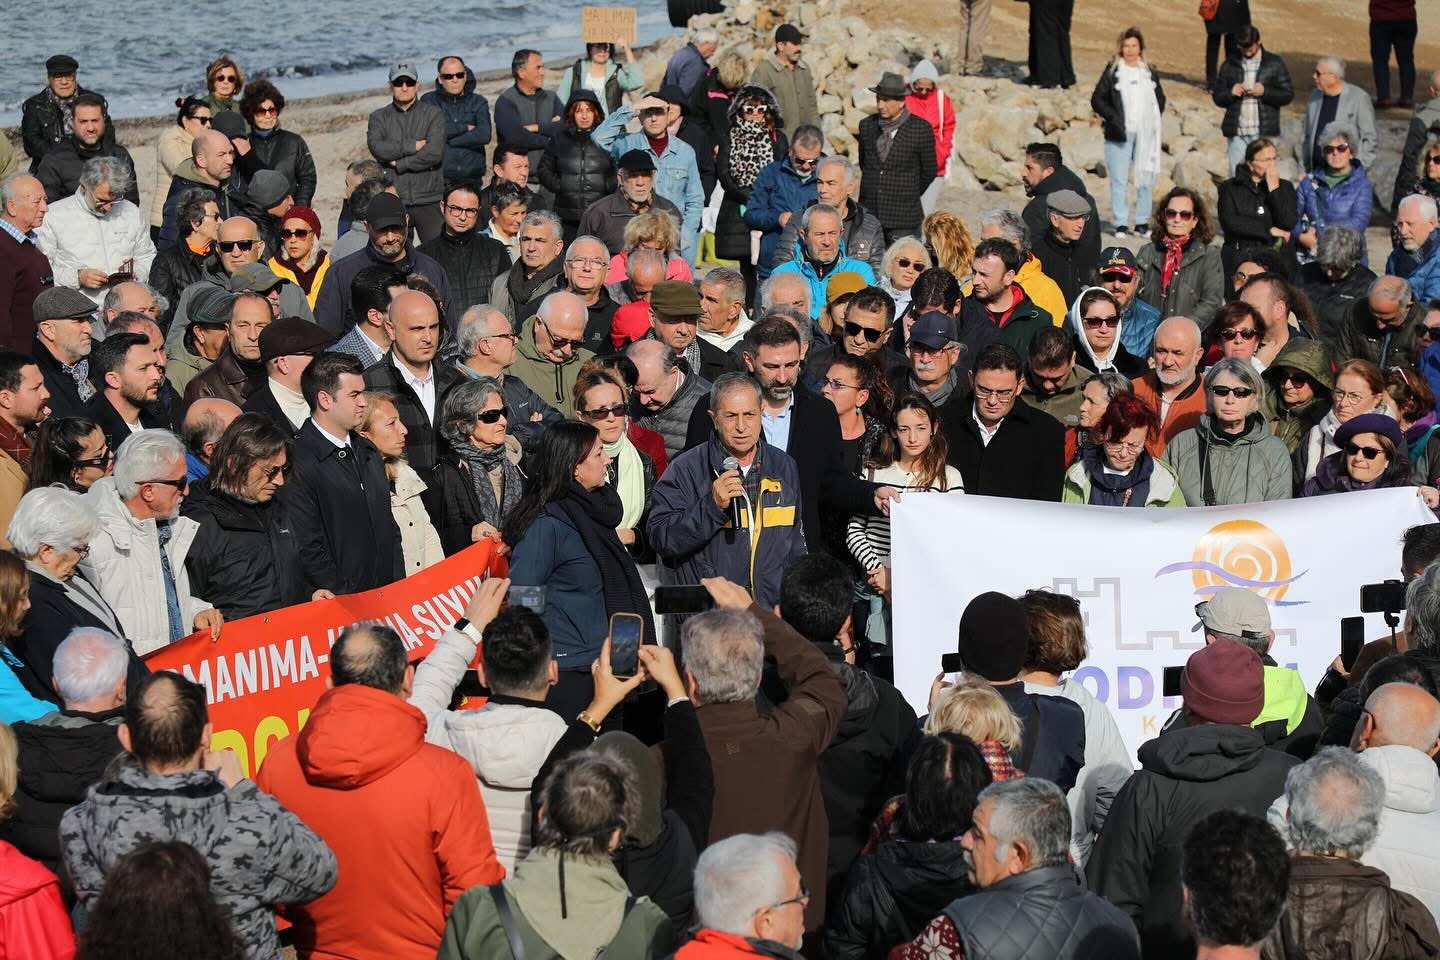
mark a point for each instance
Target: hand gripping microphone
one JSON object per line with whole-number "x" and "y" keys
{"x": 735, "y": 506}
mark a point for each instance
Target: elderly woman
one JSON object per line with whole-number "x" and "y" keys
{"x": 1427, "y": 168}
{"x": 1338, "y": 193}
{"x": 1231, "y": 456}
{"x": 1336, "y": 278}
{"x": 224, "y": 81}
{"x": 1237, "y": 327}
{"x": 1095, "y": 322}
{"x": 300, "y": 258}
{"x": 602, "y": 401}
{"x": 174, "y": 269}
{"x": 921, "y": 867}
{"x": 1256, "y": 208}
{"x": 272, "y": 148}
{"x": 1118, "y": 471}
{"x": 51, "y": 533}
{"x": 658, "y": 230}
{"x": 904, "y": 261}
{"x": 598, "y": 73}
{"x": 1181, "y": 274}
{"x": 1095, "y": 395}
{"x": 1359, "y": 388}
{"x": 1331, "y": 815}
{"x": 948, "y": 239}
{"x": 477, "y": 482}
{"x": 173, "y": 149}
{"x": 1300, "y": 383}
{"x": 1371, "y": 457}
{"x": 419, "y": 543}
{"x": 70, "y": 451}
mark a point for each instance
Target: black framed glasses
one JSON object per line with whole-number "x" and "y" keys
{"x": 1231, "y": 334}
{"x": 492, "y": 416}
{"x": 803, "y": 898}
{"x": 853, "y": 329}
{"x": 98, "y": 463}
{"x": 604, "y": 413}
{"x": 182, "y": 484}
{"x": 228, "y": 246}
{"x": 561, "y": 343}
{"x": 299, "y": 233}
{"x": 1243, "y": 393}
{"x": 1369, "y": 453}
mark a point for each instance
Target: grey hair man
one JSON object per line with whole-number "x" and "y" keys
{"x": 749, "y": 886}
{"x": 785, "y": 290}
{"x": 132, "y": 296}
{"x": 586, "y": 263}
{"x": 1336, "y": 278}
{"x": 1381, "y": 328}
{"x": 836, "y": 180}
{"x": 137, "y": 559}
{"x": 1018, "y": 852}
{"x": 665, "y": 393}
{"x": 519, "y": 290}
{"x": 1416, "y": 259}
{"x": 94, "y": 236}
{"x": 643, "y": 269}
{"x": 487, "y": 345}
{"x": 1338, "y": 102}
{"x": 723, "y": 652}
{"x": 723, "y": 323}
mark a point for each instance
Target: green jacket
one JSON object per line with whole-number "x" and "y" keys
{"x": 1164, "y": 486}
{"x": 1064, "y": 405}
{"x": 1247, "y": 469}
{"x": 595, "y": 916}
{"x": 1291, "y": 424}
{"x": 552, "y": 381}
{"x": 794, "y": 91}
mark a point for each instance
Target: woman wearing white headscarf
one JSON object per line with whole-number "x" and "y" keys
{"x": 1095, "y": 319}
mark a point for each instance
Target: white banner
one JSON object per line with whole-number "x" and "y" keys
{"x": 1138, "y": 575}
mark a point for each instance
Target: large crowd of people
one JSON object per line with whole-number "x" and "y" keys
{"x": 539, "y": 345}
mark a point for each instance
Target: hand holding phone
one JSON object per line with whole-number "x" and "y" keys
{"x": 627, "y": 632}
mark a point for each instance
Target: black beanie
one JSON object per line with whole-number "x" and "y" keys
{"x": 994, "y": 637}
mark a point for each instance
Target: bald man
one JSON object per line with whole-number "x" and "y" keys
{"x": 551, "y": 351}
{"x": 210, "y": 167}
{"x": 205, "y": 420}
{"x": 409, "y": 371}
{"x": 1173, "y": 387}
{"x": 665, "y": 394}
{"x": 24, "y": 269}
{"x": 1381, "y": 328}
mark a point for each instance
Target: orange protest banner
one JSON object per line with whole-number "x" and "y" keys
{"x": 266, "y": 672}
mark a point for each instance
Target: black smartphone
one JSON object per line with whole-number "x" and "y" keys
{"x": 531, "y": 597}
{"x": 627, "y": 632}
{"x": 1170, "y": 681}
{"x": 951, "y": 663}
{"x": 1352, "y": 638}
{"x": 1387, "y": 597}
{"x": 682, "y": 599}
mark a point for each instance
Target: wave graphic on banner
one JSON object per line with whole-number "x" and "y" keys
{"x": 1240, "y": 553}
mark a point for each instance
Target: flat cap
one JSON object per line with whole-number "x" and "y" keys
{"x": 289, "y": 336}
{"x": 61, "y": 64}
{"x": 254, "y": 277}
{"x": 1067, "y": 203}
{"x": 675, "y": 298}
{"x": 61, "y": 303}
{"x": 267, "y": 188}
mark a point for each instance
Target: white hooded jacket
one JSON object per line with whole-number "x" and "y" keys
{"x": 1077, "y": 327}
{"x": 74, "y": 237}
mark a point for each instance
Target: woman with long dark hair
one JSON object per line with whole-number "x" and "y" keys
{"x": 1181, "y": 274}
{"x": 71, "y": 451}
{"x": 562, "y": 537}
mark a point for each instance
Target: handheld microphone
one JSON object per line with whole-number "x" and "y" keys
{"x": 732, "y": 464}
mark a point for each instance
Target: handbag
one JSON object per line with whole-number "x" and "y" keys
{"x": 1208, "y": 9}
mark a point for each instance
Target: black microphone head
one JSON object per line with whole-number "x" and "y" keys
{"x": 730, "y": 464}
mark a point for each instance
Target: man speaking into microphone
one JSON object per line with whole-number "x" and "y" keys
{"x": 730, "y": 507}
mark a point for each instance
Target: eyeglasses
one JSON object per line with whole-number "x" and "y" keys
{"x": 97, "y": 463}
{"x": 1095, "y": 323}
{"x": 604, "y": 413}
{"x": 838, "y": 385}
{"x": 279, "y": 470}
{"x": 1369, "y": 453}
{"x": 756, "y": 108}
{"x": 1238, "y": 333}
{"x": 228, "y": 246}
{"x": 1241, "y": 392}
{"x": 453, "y": 76}
{"x": 1125, "y": 446}
{"x": 1331, "y": 148}
{"x": 594, "y": 263}
{"x": 905, "y": 264}
{"x": 1183, "y": 216}
{"x": 82, "y": 551}
{"x": 853, "y": 329}
{"x": 560, "y": 343}
{"x": 267, "y": 111}
{"x": 299, "y": 233}
{"x": 803, "y": 898}
{"x": 1241, "y": 277}
{"x": 204, "y": 121}
{"x": 1432, "y": 160}
{"x": 182, "y": 484}
{"x": 800, "y": 163}
{"x": 1428, "y": 332}
{"x": 402, "y": 82}
{"x": 227, "y": 78}
{"x": 455, "y": 211}
{"x": 512, "y": 337}
{"x": 987, "y": 393}
{"x": 492, "y": 416}
{"x": 1346, "y": 396}
{"x": 1292, "y": 377}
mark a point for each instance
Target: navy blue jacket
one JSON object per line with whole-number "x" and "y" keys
{"x": 464, "y": 148}
{"x": 552, "y": 555}
{"x": 778, "y": 189}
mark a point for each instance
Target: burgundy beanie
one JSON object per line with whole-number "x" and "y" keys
{"x": 304, "y": 213}
{"x": 994, "y": 637}
{"x": 1224, "y": 683}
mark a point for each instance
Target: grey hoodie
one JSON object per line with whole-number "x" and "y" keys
{"x": 260, "y": 854}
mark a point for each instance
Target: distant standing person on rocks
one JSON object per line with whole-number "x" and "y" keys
{"x": 1393, "y": 24}
{"x": 1335, "y": 101}
{"x": 974, "y": 30}
{"x": 599, "y": 73}
{"x": 1252, "y": 87}
{"x": 1050, "y": 63}
{"x": 526, "y": 114}
{"x": 785, "y": 76}
{"x": 687, "y": 68}
{"x": 48, "y": 117}
{"x": 897, "y": 160}
{"x": 1228, "y": 18}
{"x": 934, "y": 106}
{"x": 409, "y": 137}
{"x": 1129, "y": 99}
{"x": 467, "y": 120}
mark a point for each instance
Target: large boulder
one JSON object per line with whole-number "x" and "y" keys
{"x": 1082, "y": 146}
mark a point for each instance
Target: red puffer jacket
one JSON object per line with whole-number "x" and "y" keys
{"x": 33, "y": 921}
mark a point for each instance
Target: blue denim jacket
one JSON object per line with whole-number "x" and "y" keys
{"x": 677, "y": 177}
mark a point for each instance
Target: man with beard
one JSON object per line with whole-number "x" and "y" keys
{"x": 820, "y": 254}
{"x": 23, "y": 405}
{"x": 94, "y": 237}
{"x": 1001, "y": 445}
{"x": 1174, "y": 387}
{"x": 64, "y": 320}
{"x": 1120, "y": 275}
{"x": 897, "y": 160}
{"x": 518, "y": 291}
{"x": 1052, "y": 377}
{"x": 1418, "y": 259}
{"x": 606, "y": 218}
{"x": 133, "y": 321}
{"x": 1045, "y": 173}
{"x": 995, "y": 297}
{"x": 126, "y": 371}
{"x": 60, "y": 169}
{"x": 48, "y": 117}
{"x": 1062, "y": 253}
{"x": 1008, "y": 225}
{"x": 674, "y": 159}
{"x": 389, "y": 230}
{"x": 865, "y": 333}
{"x": 470, "y": 259}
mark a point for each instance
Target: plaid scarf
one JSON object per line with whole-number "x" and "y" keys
{"x": 1174, "y": 250}
{"x": 66, "y": 106}
{"x": 14, "y": 445}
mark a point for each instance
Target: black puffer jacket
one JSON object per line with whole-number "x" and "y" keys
{"x": 732, "y": 236}
{"x": 1045, "y": 912}
{"x": 62, "y": 754}
{"x": 287, "y": 153}
{"x": 574, "y": 168}
{"x": 1332, "y": 299}
{"x": 175, "y": 269}
{"x": 471, "y": 262}
{"x": 893, "y": 894}
{"x": 1108, "y": 102}
{"x": 1186, "y": 774}
{"x": 244, "y": 559}
{"x": 1273, "y": 76}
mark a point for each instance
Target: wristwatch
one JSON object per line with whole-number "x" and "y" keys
{"x": 469, "y": 629}
{"x": 589, "y": 721}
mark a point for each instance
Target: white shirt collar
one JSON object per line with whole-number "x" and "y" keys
{"x": 338, "y": 441}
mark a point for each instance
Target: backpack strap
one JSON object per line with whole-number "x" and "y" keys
{"x": 629, "y": 905}
{"x": 507, "y": 920}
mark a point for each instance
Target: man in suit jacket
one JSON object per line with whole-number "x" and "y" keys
{"x": 409, "y": 371}
{"x": 897, "y": 160}
{"x": 1002, "y": 446}
{"x": 337, "y": 499}
{"x": 1335, "y": 101}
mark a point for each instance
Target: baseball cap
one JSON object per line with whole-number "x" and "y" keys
{"x": 675, "y": 298}
{"x": 788, "y": 33}
{"x": 386, "y": 210}
{"x": 255, "y": 277}
{"x": 1236, "y": 611}
{"x": 403, "y": 69}
{"x": 1118, "y": 260}
{"x": 61, "y": 303}
{"x": 652, "y": 101}
{"x": 934, "y": 329}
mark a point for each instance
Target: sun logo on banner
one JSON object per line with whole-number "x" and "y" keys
{"x": 1240, "y": 553}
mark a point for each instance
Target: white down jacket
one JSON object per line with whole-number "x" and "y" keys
{"x": 74, "y": 238}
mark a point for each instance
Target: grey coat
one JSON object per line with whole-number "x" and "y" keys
{"x": 1253, "y": 468}
{"x": 391, "y": 137}
{"x": 1196, "y": 291}
{"x": 1354, "y": 111}
{"x": 673, "y": 421}
{"x": 260, "y": 854}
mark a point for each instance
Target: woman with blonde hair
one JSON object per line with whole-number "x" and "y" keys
{"x": 225, "y": 82}
{"x": 711, "y": 100}
{"x": 950, "y": 243}
{"x": 656, "y": 230}
{"x": 419, "y": 543}
{"x": 904, "y": 261}
{"x": 973, "y": 709}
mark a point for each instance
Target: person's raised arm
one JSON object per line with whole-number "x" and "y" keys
{"x": 689, "y": 775}
{"x": 441, "y": 672}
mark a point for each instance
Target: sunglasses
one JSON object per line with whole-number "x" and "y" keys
{"x": 800, "y": 163}
{"x": 228, "y": 246}
{"x": 492, "y": 416}
{"x": 204, "y": 121}
{"x": 1116, "y": 275}
{"x": 1293, "y": 377}
{"x": 1336, "y": 148}
{"x": 1238, "y": 333}
{"x": 1434, "y": 159}
{"x": 299, "y": 233}
{"x": 906, "y": 264}
{"x": 99, "y": 463}
{"x": 1241, "y": 277}
{"x": 1241, "y": 392}
{"x": 1096, "y": 322}
{"x": 402, "y": 82}
{"x": 1181, "y": 215}
{"x": 453, "y": 76}
{"x": 604, "y": 413}
{"x": 1369, "y": 453}
{"x": 266, "y": 111}
{"x": 1428, "y": 332}
{"x": 227, "y": 78}
{"x": 182, "y": 484}
{"x": 853, "y": 329}
{"x": 281, "y": 470}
